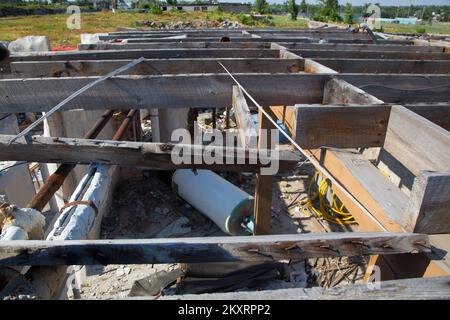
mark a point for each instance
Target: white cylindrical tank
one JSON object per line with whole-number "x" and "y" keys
{"x": 224, "y": 203}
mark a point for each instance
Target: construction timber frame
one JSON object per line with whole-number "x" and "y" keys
{"x": 340, "y": 96}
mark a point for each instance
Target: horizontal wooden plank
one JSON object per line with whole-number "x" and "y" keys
{"x": 140, "y": 154}
{"x": 208, "y": 249}
{"x": 268, "y": 39}
{"x": 438, "y": 113}
{"x": 403, "y": 89}
{"x": 386, "y": 66}
{"x": 361, "y": 47}
{"x": 38, "y": 69}
{"x": 341, "y": 126}
{"x": 208, "y": 90}
{"x": 147, "y": 54}
{"x": 349, "y": 54}
{"x": 436, "y": 288}
{"x": 169, "y": 45}
{"x": 167, "y": 91}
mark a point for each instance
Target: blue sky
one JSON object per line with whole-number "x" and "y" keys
{"x": 360, "y": 2}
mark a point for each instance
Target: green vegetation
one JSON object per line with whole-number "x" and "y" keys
{"x": 293, "y": 9}
{"x": 261, "y": 6}
{"x": 348, "y": 16}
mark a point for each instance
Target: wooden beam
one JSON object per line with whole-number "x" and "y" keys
{"x": 350, "y": 54}
{"x": 338, "y": 91}
{"x": 247, "y": 132}
{"x": 429, "y": 206}
{"x": 438, "y": 113}
{"x": 360, "y": 47}
{"x": 263, "y": 185}
{"x": 416, "y": 142}
{"x": 175, "y": 91}
{"x": 410, "y": 90}
{"x": 386, "y": 66}
{"x": 137, "y": 154}
{"x": 408, "y": 289}
{"x": 208, "y": 91}
{"x": 341, "y": 127}
{"x": 269, "y": 39}
{"x": 40, "y": 69}
{"x": 147, "y": 53}
{"x": 174, "y": 45}
{"x": 207, "y": 249}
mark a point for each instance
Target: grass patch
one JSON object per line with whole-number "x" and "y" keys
{"x": 54, "y": 26}
{"x": 436, "y": 27}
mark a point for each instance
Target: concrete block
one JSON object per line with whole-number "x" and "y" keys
{"x": 30, "y": 44}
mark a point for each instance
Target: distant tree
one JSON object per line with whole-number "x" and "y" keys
{"x": 348, "y": 13}
{"x": 293, "y": 9}
{"x": 303, "y": 7}
{"x": 172, "y": 2}
{"x": 261, "y": 6}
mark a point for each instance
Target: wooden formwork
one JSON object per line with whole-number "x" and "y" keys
{"x": 336, "y": 98}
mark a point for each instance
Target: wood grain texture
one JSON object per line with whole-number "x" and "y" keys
{"x": 75, "y": 68}
{"x": 208, "y": 249}
{"x": 247, "y": 133}
{"x": 350, "y": 54}
{"x": 139, "y": 154}
{"x": 386, "y": 66}
{"x": 341, "y": 127}
{"x": 163, "y": 91}
{"x": 416, "y": 142}
{"x": 428, "y": 210}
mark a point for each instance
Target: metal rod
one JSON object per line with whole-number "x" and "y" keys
{"x": 123, "y": 127}
{"x": 56, "y": 180}
{"x": 74, "y": 95}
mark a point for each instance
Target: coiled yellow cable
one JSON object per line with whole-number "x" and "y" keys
{"x": 334, "y": 213}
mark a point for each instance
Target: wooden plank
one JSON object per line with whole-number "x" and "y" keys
{"x": 429, "y": 206}
{"x": 437, "y": 288}
{"x": 312, "y": 66}
{"x": 138, "y": 154}
{"x": 360, "y": 47}
{"x": 386, "y": 66}
{"x": 338, "y": 91}
{"x": 268, "y": 39}
{"x": 263, "y": 184}
{"x": 305, "y": 53}
{"x": 368, "y": 185}
{"x": 168, "y": 45}
{"x": 208, "y": 90}
{"x": 168, "y": 91}
{"x": 438, "y": 113}
{"x": 411, "y": 90}
{"x": 147, "y": 54}
{"x": 40, "y": 69}
{"x": 208, "y": 249}
{"x": 247, "y": 132}
{"x": 341, "y": 127}
{"x": 416, "y": 142}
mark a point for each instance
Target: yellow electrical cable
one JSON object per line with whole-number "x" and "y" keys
{"x": 326, "y": 211}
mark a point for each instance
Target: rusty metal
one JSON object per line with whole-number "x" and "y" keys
{"x": 56, "y": 180}
{"x": 124, "y": 126}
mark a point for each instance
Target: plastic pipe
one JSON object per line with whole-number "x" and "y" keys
{"x": 229, "y": 207}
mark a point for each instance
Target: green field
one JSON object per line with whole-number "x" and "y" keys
{"x": 54, "y": 26}
{"x": 435, "y": 27}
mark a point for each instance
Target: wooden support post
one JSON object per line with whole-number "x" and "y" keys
{"x": 263, "y": 187}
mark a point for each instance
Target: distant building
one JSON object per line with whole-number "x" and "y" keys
{"x": 226, "y": 7}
